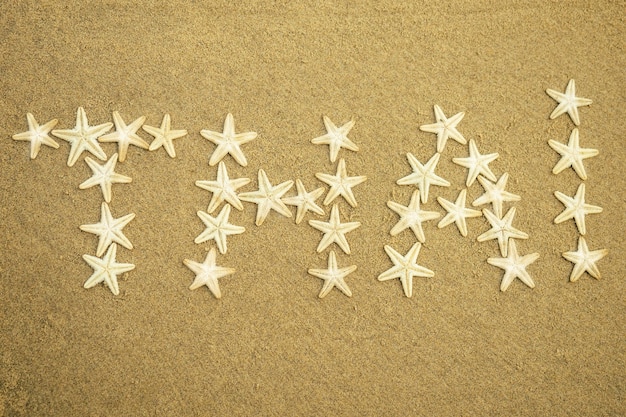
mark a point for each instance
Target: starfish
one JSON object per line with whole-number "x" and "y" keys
{"x": 445, "y": 128}
{"x": 423, "y": 176}
{"x": 576, "y": 208}
{"x": 83, "y": 137}
{"x": 502, "y": 230}
{"x": 106, "y": 270}
{"x": 228, "y": 142}
{"x": 495, "y": 194}
{"x": 336, "y": 138}
{"x": 163, "y": 136}
{"x": 268, "y": 197}
{"x": 572, "y": 155}
{"x": 37, "y": 135}
{"x": 514, "y": 267}
{"x": 217, "y": 228}
{"x": 457, "y": 212}
{"x": 584, "y": 260}
{"x": 305, "y": 201}
{"x": 477, "y": 164}
{"x": 109, "y": 229}
{"x": 104, "y": 176}
{"x": 405, "y": 267}
{"x": 125, "y": 135}
{"x": 333, "y": 276}
{"x": 411, "y": 216}
{"x": 341, "y": 184}
{"x": 334, "y": 231}
{"x": 223, "y": 189}
{"x": 207, "y": 273}
{"x": 568, "y": 102}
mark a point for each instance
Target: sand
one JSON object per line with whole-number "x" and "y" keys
{"x": 459, "y": 346}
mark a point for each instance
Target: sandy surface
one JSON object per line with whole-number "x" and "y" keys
{"x": 459, "y": 346}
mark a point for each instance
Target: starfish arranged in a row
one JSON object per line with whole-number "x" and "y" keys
{"x": 572, "y": 155}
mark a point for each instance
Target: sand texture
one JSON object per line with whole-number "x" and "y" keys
{"x": 458, "y": 347}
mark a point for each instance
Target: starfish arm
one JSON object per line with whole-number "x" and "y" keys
{"x": 237, "y": 154}
{"x": 341, "y": 283}
{"x": 242, "y": 138}
{"x": 169, "y": 148}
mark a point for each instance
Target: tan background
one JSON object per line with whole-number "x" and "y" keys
{"x": 270, "y": 346}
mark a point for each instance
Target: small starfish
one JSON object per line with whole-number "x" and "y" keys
{"x": 109, "y": 229}
{"x": 228, "y": 142}
{"x": 163, "y": 136}
{"x": 37, "y": 135}
{"x": 333, "y": 276}
{"x": 568, "y": 102}
{"x": 495, "y": 194}
{"x": 268, "y": 197}
{"x": 584, "y": 260}
{"x": 502, "y": 230}
{"x": 576, "y": 208}
{"x": 341, "y": 184}
{"x": 514, "y": 267}
{"x": 405, "y": 267}
{"x": 305, "y": 201}
{"x": 207, "y": 273}
{"x": 411, "y": 216}
{"x": 83, "y": 137}
{"x": 217, "y": 228}
{"x": 477, "y": 164}
{"x": 104, "y": 176}
{"x": 457, "y": 212}
{"x": 423, "y": 176}
{"x": 106, "y": 270}
{"x": 334, "y": 231}
{"x": 336, "y": 138}
{"x": 572, "y": 155}
{"x": 223, "y": 189}
{"x": 125, "y": 135}
{"x": 445, "y": 128}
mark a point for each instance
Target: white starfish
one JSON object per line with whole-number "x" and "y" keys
{"x": 423, "y": 176}
{"x": 305, "y": 201}
{"x": 502, "y": 230}
{"x": 336, "y": 138}
{"x": 514, "y": 267}
{"x": 104, "y": 176}
{"x": 576, "y": 208}
{"x": 457, "y": 212}
{"x": 223, "y": 189}
{"x": 341, "y": 184}
{"x": 572, "y": 155}
{"x": 228, "y": 142}
{"x": 125, "y": 135}
{"x": 334, "y": 231}
{"x": 584, "y": 260}
{"x": 405, "y": 267}
{"x": 163, "y": 136}
{"x": 106, "y": 270}
{"x": 83, "y": 137}
{"x": 411, "y": 216}
{"x": 333, "y": 276}
{"x": 37, "y": 135}
{"x": 207, "y": 273}
{"x": 445, "y": 128}
{"x": 495, "y": 194}
{"x": 109, "y": 229}
{"x": 477, "y": 164}
{"x": 268, "y": 197}
{"x": 217, "y": 228}
{"x": 568, "y": 102}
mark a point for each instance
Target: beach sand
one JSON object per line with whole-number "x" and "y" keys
{"x": 270, "y": 346}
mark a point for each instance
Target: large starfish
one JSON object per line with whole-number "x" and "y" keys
{"x": 228, "y": 142}
{"x": 568, "y": 102}
{"x": 83, "y": 137}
